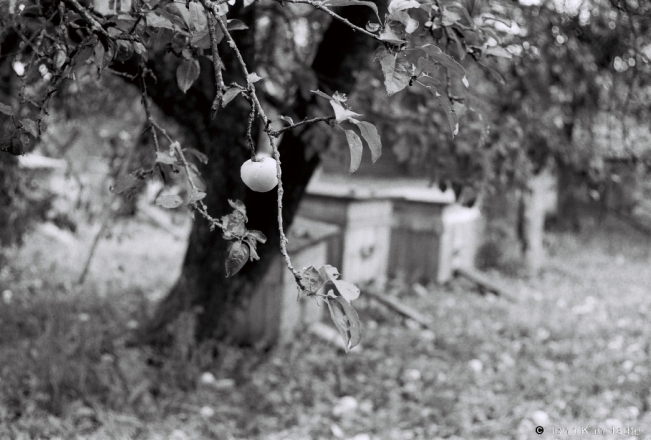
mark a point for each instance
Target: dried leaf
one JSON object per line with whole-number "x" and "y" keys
{"x": 312, "y": 280}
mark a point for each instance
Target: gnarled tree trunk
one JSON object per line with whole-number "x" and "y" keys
{"x": 203, "y": 287}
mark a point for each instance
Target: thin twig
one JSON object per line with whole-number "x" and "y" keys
{"x": 145, "y": 103}
{"x": 217, "y": 65}
{"x": 92, "y": 21}
{"x": 249, "y": 127}
{"x": 276, "y": 133}
{"x": 319, "y": 6}
{"x": 265, "y": 121}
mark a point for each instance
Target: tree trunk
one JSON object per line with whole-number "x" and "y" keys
{"x": 203, "y": 289}
{"x": 567, "y": 210}
{"x": 533, "y": 225}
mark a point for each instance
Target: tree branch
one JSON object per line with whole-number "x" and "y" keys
{"x": 319, "y": 6}
{"x": 255, "y": 102}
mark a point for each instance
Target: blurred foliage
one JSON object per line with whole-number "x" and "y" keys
{"x": 22, "y": 201}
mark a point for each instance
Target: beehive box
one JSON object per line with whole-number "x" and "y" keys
{"x": 361, "y": 251}
{"x": 273, "y": 313}
{"x": 430, "y": 238}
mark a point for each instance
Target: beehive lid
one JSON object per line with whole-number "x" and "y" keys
{"x": 365, "y": 187}
{"x": 304, "y": 233}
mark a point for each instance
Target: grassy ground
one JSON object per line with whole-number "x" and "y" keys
{"x": 571, "y": 351}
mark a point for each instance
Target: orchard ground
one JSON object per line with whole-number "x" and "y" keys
{"x": 571, "y": 350}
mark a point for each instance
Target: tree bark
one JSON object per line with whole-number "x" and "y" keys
{"x": 533, "y": 225}
{"x": 567, "y": 210}
{"x": 203, "y": 288}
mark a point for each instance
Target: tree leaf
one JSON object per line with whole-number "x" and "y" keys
{"x": 401, "y": 5}
{"x": 182, "y": 14}
{"x": 196, "y": 196}
{"x": 437, "y": 55}
{"x": 230, "y": 94}
{"x": 201, "y": 39}
{"x": 425, "y": 65}
{"x": 355, "y": 144}
{"x": 253, "y": 253}
{"x": 158, "y": 21}
{"x": 257, "y": 235}
{"x": 372, "y": 138}
{"x": 342, "y": 114}
{"x": 339, "y": 3}
{"x": 498, "y": 51}
{"x": 165, "y": 158}
{"x": 198, "y": 20}
{"x": 287, "y": 119}
{"x": 455, "y": 12}
{"x": 346, "y": 320}
{"x": 410, "y": 24}
{"x": 453, "y": 119}
{"x": 347, "y": 290}
{"x": 237, "y": 255}
{"x": 321, "y": 94}
{"x": 449, "y": 16}
{"x": 99, "y": 52}
{"x": 198, "y": 154}
{"x": 253, "y": 77}
{"x": 389, "y": 36}
{"x": 372, "y": 27}
{"x": 233, "y": 226}
{"x": 169, "y": 201}
{"x": 248, "y": 2}
{"x": 30, "y": 126}
{"x": 238, "y": 206}
{"x": 6, "y": 109}
{"x": 187, "y": 73}
{"x": 396, "y": 77}
{"x": 236, "y": 25}
{"x": 124, "y": 183}
{"x": 311, "y": 280}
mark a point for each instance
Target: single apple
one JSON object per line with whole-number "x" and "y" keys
{"x": 260, "y": 175}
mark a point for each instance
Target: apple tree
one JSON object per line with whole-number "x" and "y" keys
{"x": 238, "y": 77}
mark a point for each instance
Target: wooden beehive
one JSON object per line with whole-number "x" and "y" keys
{"x": 273, "y": 313}
{"x": 430, "y": 238}
{"x": 361, "y": 251}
